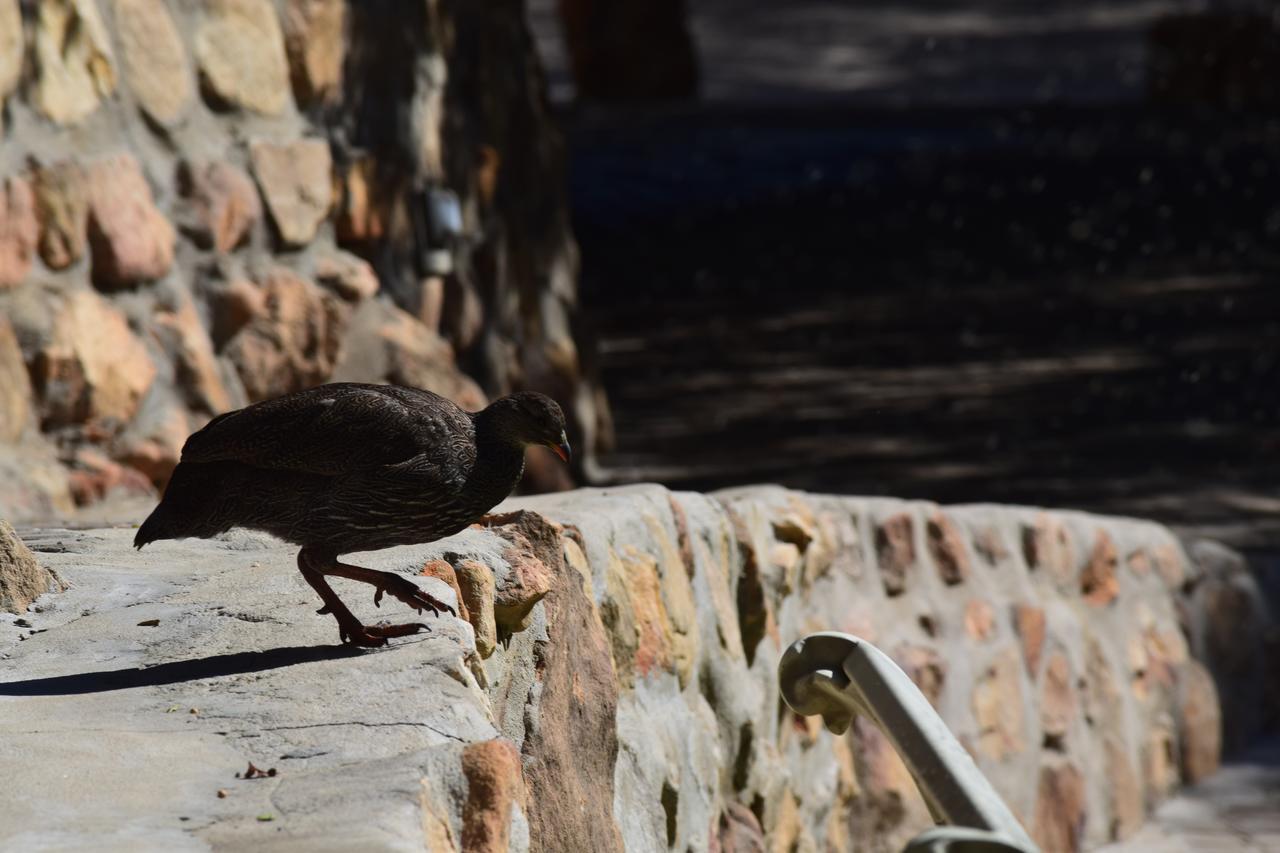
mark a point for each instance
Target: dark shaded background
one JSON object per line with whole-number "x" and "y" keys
{"x": 945, "y": 250}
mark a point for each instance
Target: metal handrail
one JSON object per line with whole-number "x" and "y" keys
{"x": 839, "y": 676}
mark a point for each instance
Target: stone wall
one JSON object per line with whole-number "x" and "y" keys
{"x": 609, "y": 682}
{"x": 1055, "y": 645}
{"x": 206, "y": 204}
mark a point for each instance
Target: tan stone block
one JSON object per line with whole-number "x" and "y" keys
{"x": 1029, "y": 624}
{"x": 895, "y": 551}
{"x": 15, "y": 386}
{"x": 1046, "y": 544}
{"x": 495, "y": 784}
{"x": 223, "y": 201}
{"x": 476, "y": 590}
{"x": 93, "y": 368}
{"x": 1061, "y": 809}
{"x": 1058, "y": 704}
{"x": 75, "y": 67}
{"x": 979, "y": 620}
{"x": 154, "y": 59}
{"x": 294, "y": 344}
{"x": 130, "y": 239}
{"x": 347, "y": 275}
{"x": 1099, "y": 583}
{"x": 62, "y": 205}
{"x": 998, "y": 708}
{"x": 188, "y": 344}
{"x": 946, "y": 545}
{"x": 296, "y": 183}
{"x": 12, "y": 47}
{"x": 1199, "y": 723}
{"x": 240, "y": 51}
{"x": 316, "y": 43}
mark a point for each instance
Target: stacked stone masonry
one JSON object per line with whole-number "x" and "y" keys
{"x": 609, "y": 681}
{"x": 205, "y": 204}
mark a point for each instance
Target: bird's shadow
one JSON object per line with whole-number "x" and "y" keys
{"x": 174, "y": 671}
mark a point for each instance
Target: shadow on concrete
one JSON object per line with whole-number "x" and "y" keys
{"x": 174, "y": 671}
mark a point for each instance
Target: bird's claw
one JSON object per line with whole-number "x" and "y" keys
{"x": 324, "y": 611}
{"x": 407, "y": 591}
{"x": 375, "y": 636}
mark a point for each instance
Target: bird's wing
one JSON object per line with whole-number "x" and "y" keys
{"x": 336, "y": 429}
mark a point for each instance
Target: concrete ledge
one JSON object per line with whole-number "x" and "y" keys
{"x": 611, "y": 685}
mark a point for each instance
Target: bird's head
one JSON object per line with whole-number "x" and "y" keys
{"x": 527, "y": 418}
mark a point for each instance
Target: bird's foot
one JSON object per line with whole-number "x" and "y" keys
{"x": 373, "y": 636}
{"x": 407, "y": 591}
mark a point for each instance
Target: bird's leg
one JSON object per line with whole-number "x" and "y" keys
{"x": 398, "y": 586}
{"x": 314, "y": 567}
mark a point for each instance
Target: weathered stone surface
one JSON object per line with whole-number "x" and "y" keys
{"x": 240, "y": 50}
{"x": 130, "y": 239}
{"x": 1199, "y": 723}
{"x": 1046, "y": 544}
{"x": 1098, "y": 581}
{"x": 93, "y": 368}
{"x": 62, "y": 202}
{"x": 295, "y": 181}
{"x": 223, "y": 202}
{"x": 18, "y": 231}
{"x": 75, "y": 64}
{"x": 1058, "y": 704}
{"x": 946, "y": 546}
{"x": 15, "y": 386}
{"x": 1029, "y": 623}
{"x": 1061, "y": 809}
{"x": 347, "y": 275}
{"x": 292, "y": 345}
{"x": 154, "y": 59}
{"x": 494, "y": 787}
{"x": 315, "y": 39}
{"x": 196, "y": 366}
{"x": 11, "y": 47}
{"x": 1102, "y": 697}
{"x": 22, "y": 578}
{"x": 895, "y": 551}
{"x": 998, "y": 708}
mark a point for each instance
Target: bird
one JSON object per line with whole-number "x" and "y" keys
{"x": 349, "y": 467}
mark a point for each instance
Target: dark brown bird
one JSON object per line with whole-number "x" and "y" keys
{"x": 350, "y": 467}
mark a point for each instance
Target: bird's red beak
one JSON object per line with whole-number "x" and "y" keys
{"x": 562, "y": 449}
